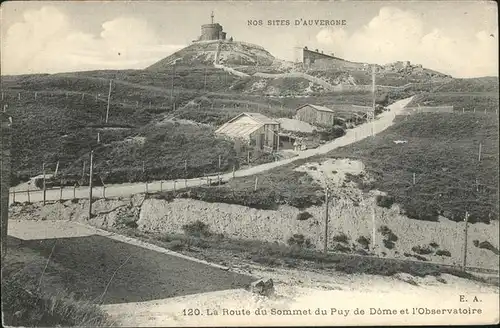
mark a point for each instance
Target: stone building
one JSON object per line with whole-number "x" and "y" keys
{"x": 315, "y": 59}
{"x": 212, "y": 31}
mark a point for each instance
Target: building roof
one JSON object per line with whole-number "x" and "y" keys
{"x": 318, "y": 107}
{"x": 257, "y": 117}
{"x": 235, "y": 129}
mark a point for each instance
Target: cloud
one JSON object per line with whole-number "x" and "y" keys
{"x": 396, "y": 34}
{"x": 45, "y": 41}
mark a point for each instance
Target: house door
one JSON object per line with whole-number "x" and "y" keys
{"x": 261, "y": 141}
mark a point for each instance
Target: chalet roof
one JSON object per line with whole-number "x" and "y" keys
{"x": 318, "y": 107}
{"x": 236, "y": 129}
{"x": 258, "y": 117}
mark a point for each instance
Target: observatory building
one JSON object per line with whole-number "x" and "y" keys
{"x": 212, "y": 31}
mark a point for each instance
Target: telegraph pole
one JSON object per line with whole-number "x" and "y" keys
{"x": 90, "y": 183}
{"x": 109, "y": 98}
{"x": 205, "y": 81}
{"x": 325, "y": 241}
{"x": 172, "y": 88}
{"x": 373, "y": 227}
{"x": 57, "y": 169}
{"x": 464, "y": 263}
{"x": 373, "y": 100}
{"x": 44, "y": 185}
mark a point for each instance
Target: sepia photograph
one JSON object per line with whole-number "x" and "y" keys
{"x": 249, "y": 163}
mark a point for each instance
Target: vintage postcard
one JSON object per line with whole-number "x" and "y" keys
{"x": 249, "y": 163}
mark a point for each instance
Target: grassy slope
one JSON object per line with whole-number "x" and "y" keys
{"x": 442, "y": 151}
{"x": 69, "y": 109}
{"x": 463, "y": 94}
{"x": 30, "y": 301}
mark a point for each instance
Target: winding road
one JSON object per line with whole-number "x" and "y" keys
{"x": 358, "y": 133}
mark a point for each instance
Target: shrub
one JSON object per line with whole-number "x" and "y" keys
{"x": 475, "y": 242}
{"x": 341, "y": 238}
{"x": 176, "y": 245}
{"x": 388, "y": 243}
{"x": 197, "y": 229}
{"x": 388, "y": 234}
{"x": 363, "y": 241}
{"x": 128, "y": 221}
{"x": 302, "y": 216}
{"x": 434, "y": 244}
{"x": 339, "y": 247}
{"x": 300, "y": 241}
{"x": 422, "y": 250}
{"x": 384, "y": 201}
{"x": 418, "y": 257}
{"x": 443, "y": 252}
{"x": 487, "y": 245}
{"x": 361, "y": 252}
{"x": 266, "y": 260}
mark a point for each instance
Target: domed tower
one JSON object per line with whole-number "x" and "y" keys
{"x": 212, "y": 31}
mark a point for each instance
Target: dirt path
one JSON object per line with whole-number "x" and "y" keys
{"x": 360, "y": 132}
{"x": 304, "y": 290}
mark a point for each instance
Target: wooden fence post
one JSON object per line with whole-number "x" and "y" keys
{"x": 104, "y": 191}
{"x": 74, "y": 191}
{"x": 29, "y": 200}
{"x": 161, "y": 186}
{"x": 185, "y": 173}
{"x": 44, "y": 185}
{"x": 14, "y": 196}
{"x": 60, "y": 190}
{"x": 255, "y": 186}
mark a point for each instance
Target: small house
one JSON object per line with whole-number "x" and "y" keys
{"x": 315, "y": 114}
{"x": 255, "y": 129}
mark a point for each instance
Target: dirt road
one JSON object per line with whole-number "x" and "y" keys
{"x": 92, "y": 263}
{"x": 360, "y": 132}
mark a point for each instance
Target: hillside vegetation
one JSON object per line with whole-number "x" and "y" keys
{"x": 58, "y": 117}
{"x": 442, "y": 150}
{"x": 477, "y": 94}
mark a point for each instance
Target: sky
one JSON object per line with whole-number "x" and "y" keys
{"x": 459, "y": 38}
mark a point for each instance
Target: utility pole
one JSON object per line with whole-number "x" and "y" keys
{"x": 325, "y": 241}
{"x": 374, "y": 229}
{"x": 57, "y": 169}
{"x": 413, "y": 178}
{"x": 373, "y": 100}
{"x": 205, "y": 81}
{"x": 479, "y": 156}
{"x": 172, "y": 87}
{"x": 464, "y": 263}
{"x": 109, "y": 98}
{"x": 218, "y": 172}
{"x": 83, "y": 172}
{"x": 90, "y": 182}
{"x": 44, "y": 184}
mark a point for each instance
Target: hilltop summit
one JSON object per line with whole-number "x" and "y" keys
{"x": 225, "y": 52}
{"x": 212, "y": 47}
